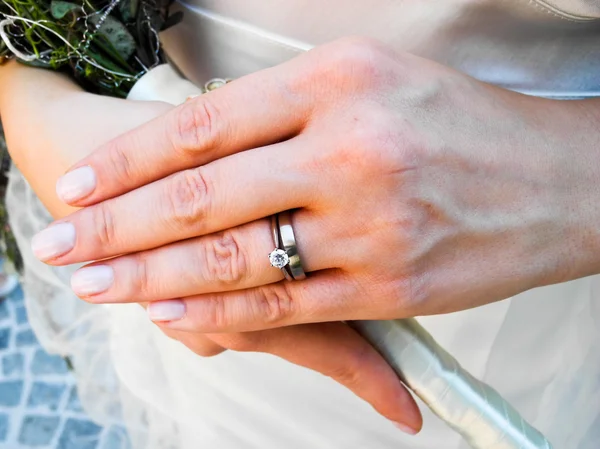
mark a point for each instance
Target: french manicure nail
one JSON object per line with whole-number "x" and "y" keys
{"x": 406, "y": 429}
{"x": 92, "y": 280}
{"x": 53, "y": 241}
{"x": 171, "y": 310}
{"x": 76, "y": 184}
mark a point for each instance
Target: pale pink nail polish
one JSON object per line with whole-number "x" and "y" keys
{"x": 53, "y": 241}
{"x": 76, "y": 184}
{"x": 406, "y": 429}
{"x": 92, "y": 280}
{"x": 171, "y": 310}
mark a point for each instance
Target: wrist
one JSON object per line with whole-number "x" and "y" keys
{"x": 573, "y": 134}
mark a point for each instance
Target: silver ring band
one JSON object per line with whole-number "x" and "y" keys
{"x": 278, "y": 246}
{"x": 288, "y": 242}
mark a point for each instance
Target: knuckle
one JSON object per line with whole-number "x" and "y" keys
{"x": 105, "y": 228}
{"x": 206, "y": 352}
{"x": 204, "y": 348}
{"x": 368, "y": 145}
{"x": 121, "y": 166}
{"x": 195, "y": 127}
{"x": 351, "y": 373}
{"x": 225, "y": 260}
{"x": 141, "y": 284}
{"x": 357, "y": 60}
{"x": 217, "y": 316}
{"x": 246, "y": 342}
{"x": 350, "y": 64}
{"x": 199, "y": 344}
{"x": 274, "y": 303}
{"x": 358, "y": 49}
{"x": 188, "y": 199}
{"x": 345, "y": 375}
{"x": 378, "y": 143}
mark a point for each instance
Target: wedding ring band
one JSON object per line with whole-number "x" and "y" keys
{"x": 279, "y": 257}
{"x": 285, "y": 255}
{"x": 288, "y": 243}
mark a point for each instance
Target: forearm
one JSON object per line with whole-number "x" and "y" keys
{"x": 32, "y": 103}
{"x": 50, "y": 124}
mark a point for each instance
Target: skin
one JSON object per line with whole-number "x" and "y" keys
{"x": 473, "y": 198}
{"x": 49, "y": 101}
{"x": 475, "y": 193}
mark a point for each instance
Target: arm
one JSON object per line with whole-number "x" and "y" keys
{"x": 50, "y": 123}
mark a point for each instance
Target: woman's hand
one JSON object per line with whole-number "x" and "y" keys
{"x": 70, "y": 123}
{"x": 417, "y": 190}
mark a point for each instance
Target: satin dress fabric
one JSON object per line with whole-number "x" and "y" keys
{"x": 540, "y": 349}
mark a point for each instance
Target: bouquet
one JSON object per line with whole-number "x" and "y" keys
{"x": 106, "y": 45}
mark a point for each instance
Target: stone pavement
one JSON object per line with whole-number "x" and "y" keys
{"x": 39, "y": 406}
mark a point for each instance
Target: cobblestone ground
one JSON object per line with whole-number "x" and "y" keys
{"x": 39, "y": 406}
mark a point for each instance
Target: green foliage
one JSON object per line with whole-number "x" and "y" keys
{"x": 105, "y": 44}
{"x": 128, "y": 9}
{"x": 117, "y": 35}
{"x": 60, "y": 9}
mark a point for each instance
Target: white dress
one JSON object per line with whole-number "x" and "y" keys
{"x": 540, "y": 349}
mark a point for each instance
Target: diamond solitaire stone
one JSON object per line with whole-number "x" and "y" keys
{"x": 279, "y": 258}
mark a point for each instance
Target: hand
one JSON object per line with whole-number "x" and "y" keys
{"x": 417, "y": 190}
{"x": 70, "y": 123}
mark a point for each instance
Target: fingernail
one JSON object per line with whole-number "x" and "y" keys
{"x": 166, "y": 310}
{"x": 92, "y": 280}
{"x": 53, "y": 241}
{"x": 76, "y": 184}
{"x": 406, "y": 429}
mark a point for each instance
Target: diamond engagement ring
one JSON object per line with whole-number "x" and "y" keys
{"x": 285, "y": 255}
{"x": 279, "y": 258}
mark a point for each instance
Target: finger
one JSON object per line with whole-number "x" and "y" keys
{"x": 221, "y": 195}
{"x": 337, "y": 351}
{"x": 197, "y": 343}
{"x": 250, "y": 112}
{"x": 231, "y": 260}
{"x": 331, "y": 295}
